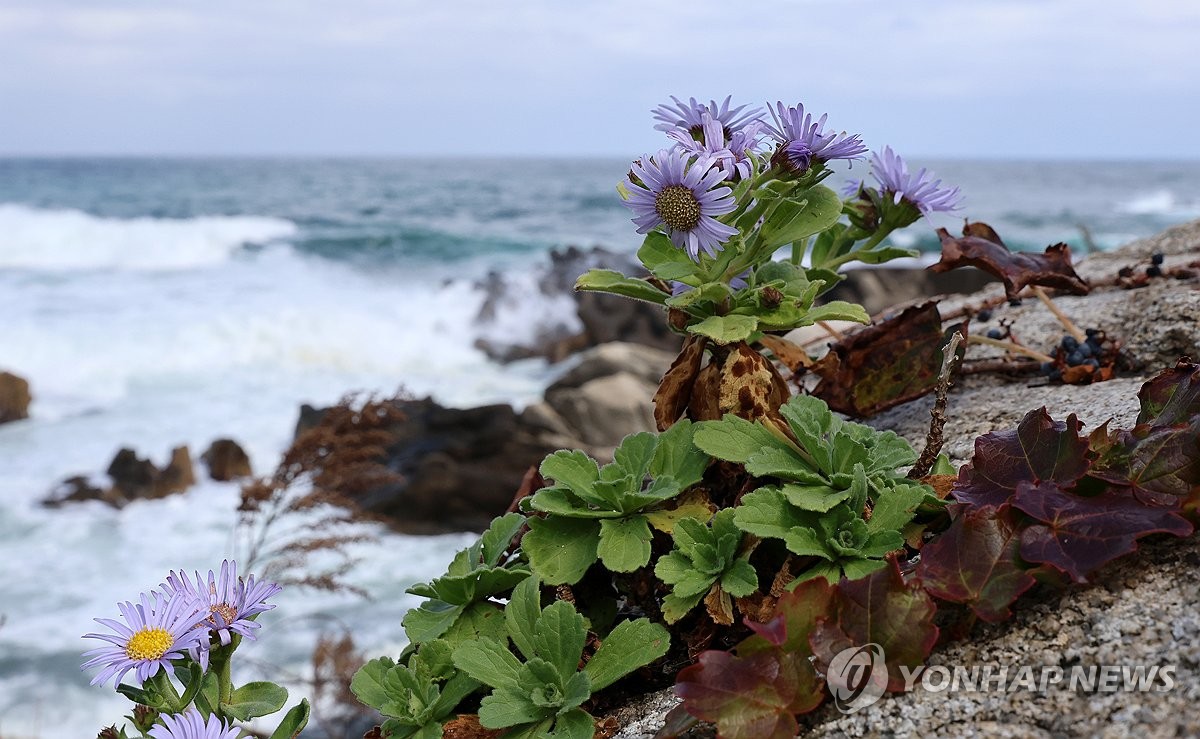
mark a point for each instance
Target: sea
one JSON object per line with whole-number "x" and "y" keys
{"x": 152, "y": 303}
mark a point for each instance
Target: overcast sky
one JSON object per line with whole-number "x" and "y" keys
{"x": 977, "y": 78}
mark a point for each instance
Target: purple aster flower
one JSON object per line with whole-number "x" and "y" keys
{"x": 920, "y": 189}
{"x": 851, "y": 188}
{"x": 802, "y": 139}
{"x": 191, "y": 725}
{"x": 730, "y": 152}
{"x": 228, "y": 603}
{"x": 690, "y": 115}
{"x": 683, "y": 199}
{"x": 154, "y": 633}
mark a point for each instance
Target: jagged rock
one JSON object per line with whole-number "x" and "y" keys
{"x": 14, "y": 397}
{"x": 460, "y": 467}
{"x": 177, "y": 476}
{"x": 131, "y": 475}
{"x": 79, "y": 489}
{"x": 226, "y": 460}
{"x": 646, "y": 363}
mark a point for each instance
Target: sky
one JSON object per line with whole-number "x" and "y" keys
{"x": 1015, "y": 79}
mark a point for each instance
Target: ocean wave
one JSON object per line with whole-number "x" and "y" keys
{"x": 1159, "y": 203}
{"x": 65, "y": 240}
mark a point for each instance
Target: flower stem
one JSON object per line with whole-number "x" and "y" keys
{"x": 1067, "y": 323}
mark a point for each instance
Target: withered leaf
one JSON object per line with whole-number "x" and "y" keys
{"x": 671, "y": 398}
{"x": 885, "y": 364}
{"x": 792, "y": 355}
{"x": 981, "y": 247}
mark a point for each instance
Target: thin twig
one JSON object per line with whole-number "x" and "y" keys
{"x": 831, "y": 330}
{"x": 982, "y": 366}
{"x": 937, "y": 421}
{"x": 1062, "y": 317}
{"x": 1010, "y": 347}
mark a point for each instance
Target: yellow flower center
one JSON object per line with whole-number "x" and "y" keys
{"x": 149, "y": 644}
{"x": 678, "y": 207}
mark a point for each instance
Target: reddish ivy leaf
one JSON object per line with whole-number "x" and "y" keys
{"x": 981, "y": 247}
{"x": 1172, "y": 396}
{"x": 885, "y": 364}
{"x": 975, "y": 562}
{"x": 759, "y": 692}
{"x": 879, "y": 609}
{"x": 1039, "y": 450}
{"x": 1156, "y": 462}
{"x": 746, "y": 697}
{"x": 1079, "y": 534}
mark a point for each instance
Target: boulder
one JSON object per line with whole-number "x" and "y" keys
{"x": 14, "y": 397}
{"x": 460, "y": 467}
{"x": 131, "y": 478}
{"x": 226, "y": 460}
{"x": 604, "y": 410}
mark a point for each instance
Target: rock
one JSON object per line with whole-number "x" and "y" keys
{"x": 132, "y": 476}
{"x": 460, "y": 468}
{"x": 79, "y": 489}
{"x": 177, "y": 476}
{"x": 604, "y": 410}
{"x": 226, "y": 460}
{"x": 879, "y": 288}
{"x": 14, "y": 397}
{"x": 646, "y": 363}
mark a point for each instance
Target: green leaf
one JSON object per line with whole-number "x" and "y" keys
{"x": 255, "y": 699}
{"x": 573, "y": 470}
{"x": 676, "y": 455}
{"x": 293, "y": 721}
{"x": 894, "y": 507}
{"x": 726, "y": 329}
{"x": 664, "y": 260}
{"x": 806, "y": 542}
{"x": 709, "y": 292}
{"x": 666, "y": 521}
{"x": 489, "y": 662}
{"x": 800, "y": 216}
{"x": 765, "y": 512}
{"x": 740, "y": 579}
{"x": 499, "y": 535}
{"x": 882, "y": 254}
{"x": 624, "y": 543}
{"x": 521, "y": 616}
{"x": 632, "y": 644}
{"x": 632, "y": 458}
{"x": 430, "y": 620}
{"x": 576, "y": 690}
{"x": 560, "y": 549}
{"x": 735, "y": 439}
{"x": 815, "y": 498}
{"x": 369, "y": 684}
{"x": 509, "y": 706}
{"x": 574, "y": 724}
{"x": 611, "y": 281}
{"x": 482, "y": 619}
{"x": 838, "y": 310}
{"x": 675, "y": 607}
{"x": 560, "y": 637}
{"x": 453, "y": 692}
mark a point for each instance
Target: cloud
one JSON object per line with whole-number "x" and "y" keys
{"x": 475, "y": 76}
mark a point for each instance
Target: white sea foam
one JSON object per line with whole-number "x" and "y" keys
{"x": 1160, "y": 203}
{"x": 35, "y": 238}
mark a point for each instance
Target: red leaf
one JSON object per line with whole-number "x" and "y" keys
{"x": 879, "y": 609}
{"x": 1040, "y": 450}
{"x": 1080, "y": 534}
{"x": 975, "y": 562}
{"x": 886, "y": 364}
{"x": 796, "y": 613}
{"x": 981, "y": 247}
{"x": 1172, "y": 396}
{"x": 746, "y": 697}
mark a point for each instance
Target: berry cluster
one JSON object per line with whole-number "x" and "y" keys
{"x": 1077, "y": 362}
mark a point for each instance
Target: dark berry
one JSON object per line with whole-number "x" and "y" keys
{"x": 1085, "y": 350}
{"x": 995, "y": 333}
{"x": 1056, "y": 375}
{"x": 1047, "y": 368}
{"x": 1075, "y": 359}
{"x": 1014, "y": 302}
{"x": 1154, "y": 271}
{"x": 984, "y": 315}
{"x": 1157, "y": 258}
{"x": 1093, "y": 363}
{"x": 1069, "y": 343}
{"x": 1092, "y": 333}
{"x": 1125, "y": 272}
